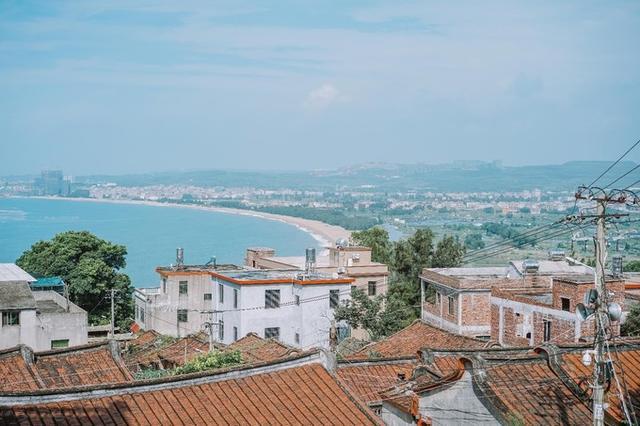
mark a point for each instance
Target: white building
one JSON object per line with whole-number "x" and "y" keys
{"x": 42, "y": 320}
{"x": 288, "y": 305}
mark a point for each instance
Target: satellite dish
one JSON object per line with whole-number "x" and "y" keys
{"x": 583, "y": 312}
{"x": 614, "y": 311}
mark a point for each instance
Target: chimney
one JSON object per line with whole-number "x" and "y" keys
{"x": 179, "y": 257}
{"x": 310, "y": 260}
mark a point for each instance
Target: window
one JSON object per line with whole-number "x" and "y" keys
{"x": 60, "y": 343}
{"x": 372, "y": 288}
{"x": 334, "y": 298}
{"x": 451, "y": 302}
{"x": 547, "y": 330}
{"x": 272, "y": 333}
{"x": 566, "y": 303}
{"x": 271, "y": 299}
{"x": 297, "y": 299}
{"x": 297, "y": 338}
{"x": 164, "y": 285}
{"x": 11, "y": 318}
{"x": 207, "y": 296}
{"x": 221, "y": 330}
{"x": 235, "y": 333}
{"x": 182, "y": 287}
{"x": 137, "y": 310}
{"x": 182, "y": 315}
{"x": 142, "y": 315}
{"x": 235, "y": 297}
{"x": 221, "y": 293}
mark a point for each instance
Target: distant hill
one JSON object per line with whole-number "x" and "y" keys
{"x": 460, "y": 176}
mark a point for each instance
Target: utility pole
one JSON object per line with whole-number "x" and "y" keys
{"x": 599, "y": 398}
{"x": 113, "y": 312}
{"x": 601, "y": 311}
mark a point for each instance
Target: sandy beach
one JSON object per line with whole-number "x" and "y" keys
{"x": 322, "y": 232}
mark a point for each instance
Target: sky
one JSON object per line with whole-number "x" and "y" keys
{"x": 123, "y": 86}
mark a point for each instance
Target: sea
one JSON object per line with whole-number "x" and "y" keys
{"x": 150, "y": 233}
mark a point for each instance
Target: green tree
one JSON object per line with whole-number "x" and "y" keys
{"x": 378, "y": 239}
{"x": 414, "y": 254}
{"x": 631, "y": 325}
{"x": 380, "y": 316}
{"x": 449, "y": 253}
{"x": 474, "y": 241}
{"x": 632, "y": 266}
{"x": 210, "y": 361}
{"x": 90, "y": 267}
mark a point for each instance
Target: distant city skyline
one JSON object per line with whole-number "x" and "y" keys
{"x": 118, "y": 88}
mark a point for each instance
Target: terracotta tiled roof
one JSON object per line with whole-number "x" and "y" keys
{"x": 144, "y": 338}
{"x": 626, "y": 359}
{"x": 256, "y": 349}
{"x": 367, "y": 379}
{"x": 529, "y": 392}
{"x": 92, "y": 364}
{"x": 87, "y": 365}
{"x": 16, "y": 372}
{"x": 416, "y": 336}
{"x": 297, "y": 394}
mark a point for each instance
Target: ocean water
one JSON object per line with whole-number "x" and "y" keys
{"x": 150, "y": 233}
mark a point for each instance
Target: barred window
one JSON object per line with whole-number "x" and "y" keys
{"x": 334, "y": 298}
{"x": 271, "y": 299}
{"x": 272, "y": 333}
{"x": 372, "y": 288}
{"x": 182, "y": 315}
{"x": 183, "y": 287}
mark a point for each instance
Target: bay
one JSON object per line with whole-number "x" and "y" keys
{"x": 150, "y": 233}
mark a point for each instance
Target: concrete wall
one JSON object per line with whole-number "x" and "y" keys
{"x": 456, "y": 405}
{"x": 392, "y": 416}
{"x": 70, "y": 325}
{"x": 25, "y": 333}
{"x": 38, "y": 330}
{"x": 311, "y": 319}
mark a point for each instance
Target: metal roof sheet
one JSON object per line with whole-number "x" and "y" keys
{"x": 12, "y": 272}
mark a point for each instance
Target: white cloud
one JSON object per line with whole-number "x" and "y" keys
{"x": 324, "y": 96}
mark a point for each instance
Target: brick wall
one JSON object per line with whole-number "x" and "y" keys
{"x": 476, "y": 308}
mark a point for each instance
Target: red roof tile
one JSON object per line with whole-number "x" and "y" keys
{"x": 626, "y": 358}
{"x": 24, "y": 370}
{"x": 305, "y": 394}
{"x": 17, "y": 374}
{"x": 409, "y": 340}
{"x": 256, "y": 349}
{"x": 367, "y": 379}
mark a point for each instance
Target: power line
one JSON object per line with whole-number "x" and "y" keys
{"x": 614, "y": 163}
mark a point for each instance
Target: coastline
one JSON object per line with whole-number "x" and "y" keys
{"x": 323, "y": 233}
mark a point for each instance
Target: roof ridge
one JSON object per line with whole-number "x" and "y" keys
{"x": 209, "y": 376}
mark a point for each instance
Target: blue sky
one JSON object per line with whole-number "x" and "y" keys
{"x": 134, "y": 86}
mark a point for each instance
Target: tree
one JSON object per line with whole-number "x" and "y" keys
{"x": 380, "y": 316}
{"x": 474, "y": 241}
{"x": 449, "y": 253}
{"x": 378, "y": 239}
{"x": 631, "y": 325}
{"x": 632, "y": 266}
{"x": 414, "y": 254}
{"x": 90, "y": 267}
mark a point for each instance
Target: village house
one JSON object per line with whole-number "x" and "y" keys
{"x": 529, "y": 317}
{"x": 543, "y": 385}
{"x": 24, "y": 370}
{"x": 40, "y": 319}
{"x": 459, "y": 299}
{"x": 299, "y": 389}
{"x": 342, "y": 260}
{"x": 293, "y": 306}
